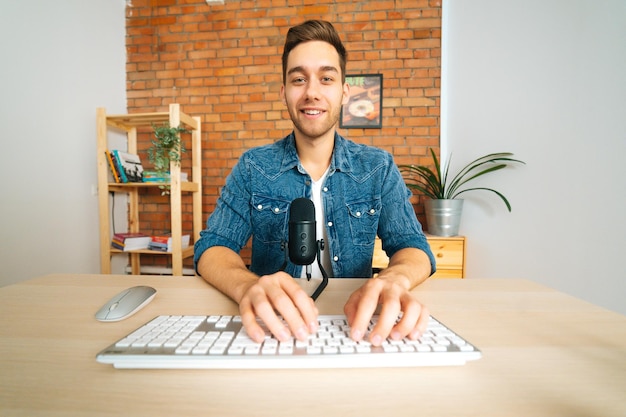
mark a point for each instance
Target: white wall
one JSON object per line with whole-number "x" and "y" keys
{"x": 60, "y": 60}
{"x": 547, "y": 81}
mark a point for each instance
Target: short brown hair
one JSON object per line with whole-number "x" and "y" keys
{"x": 315, "y": 30}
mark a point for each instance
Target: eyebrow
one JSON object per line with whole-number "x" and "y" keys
{"x": 326, "y": 68}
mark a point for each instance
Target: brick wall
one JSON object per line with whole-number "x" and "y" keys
{"x": 222, "y": 63}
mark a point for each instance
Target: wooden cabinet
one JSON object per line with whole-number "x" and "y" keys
{"x": 449, "y": 255}
{"x": 129, "y": 123}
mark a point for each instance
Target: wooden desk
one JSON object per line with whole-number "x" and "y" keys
{"x": 544, "y": 354}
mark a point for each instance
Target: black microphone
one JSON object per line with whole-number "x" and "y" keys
{"x": 302, "y": 240}
{"x": 303, "y": 244}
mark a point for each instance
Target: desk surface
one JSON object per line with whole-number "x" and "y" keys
{"x": 544, "y": 354}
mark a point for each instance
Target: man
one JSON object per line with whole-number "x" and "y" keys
{"x": 358, "y": 193}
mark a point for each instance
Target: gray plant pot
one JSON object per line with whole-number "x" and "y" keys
{"x": 443, "y": 217}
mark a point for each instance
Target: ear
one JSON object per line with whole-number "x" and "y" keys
{"x": 346, "y": 94}
{"x": 282, "y": 94}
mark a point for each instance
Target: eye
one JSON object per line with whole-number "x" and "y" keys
{"x": 298, "y": 80}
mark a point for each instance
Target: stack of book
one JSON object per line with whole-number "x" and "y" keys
{"x": 156, "y": 176}
{"x": 125, "y": 167}
{"x": 164, "y": 243}
{"x": 130, "y": 241}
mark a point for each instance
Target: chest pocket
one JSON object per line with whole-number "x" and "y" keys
{"x": 363, "y": 218}
{"x": 269, "y": 218}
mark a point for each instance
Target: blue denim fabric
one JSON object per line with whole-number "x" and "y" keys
{"x": 363, "y": 195}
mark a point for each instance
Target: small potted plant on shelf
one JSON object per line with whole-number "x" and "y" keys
{"x": 166, "y": 146}
{"x": 443, "y": 208}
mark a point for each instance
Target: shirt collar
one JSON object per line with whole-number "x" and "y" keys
{"x": 340, "y": 160}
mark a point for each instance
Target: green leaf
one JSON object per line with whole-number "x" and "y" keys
{"x": 434, "y": 183}
{"x": 166, "y": 146}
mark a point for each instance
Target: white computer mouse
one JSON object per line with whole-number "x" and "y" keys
{"x": 126, "y": 303}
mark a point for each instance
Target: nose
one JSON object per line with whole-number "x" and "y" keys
{"x": 312, "y": 91}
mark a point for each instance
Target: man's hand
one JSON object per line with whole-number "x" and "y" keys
{"x": 392, "y": 292}
{"x": 267, "y": 297}
{"x": 274, "y": 296}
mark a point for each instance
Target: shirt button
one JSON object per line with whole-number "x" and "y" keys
{"x": 335, "y": 258}
{"x": 276, "y": 210}
{"x": 330, "y": 224}
{"x": 260, "y": 207}
{"x": 325, "y": 189}
{"x": 358, "y": 214}
{"x": 372, "y": 211}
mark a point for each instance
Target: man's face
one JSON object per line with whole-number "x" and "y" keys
{"x": 313, "y": 91}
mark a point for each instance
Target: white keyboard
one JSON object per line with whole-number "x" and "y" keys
{"x": 221, "y": 342}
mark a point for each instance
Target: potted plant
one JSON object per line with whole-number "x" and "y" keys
{"x": 166, "y": 147}
{"x": 443, "y": 208}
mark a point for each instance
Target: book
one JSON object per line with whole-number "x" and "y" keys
{"x": 154, "y": 176}
{"x": 113, "y": 166}
{"x": 164, "y": 243}
{"x": 130, "y": 168}
{"x": 130, "y": 241}
{"x": 116, "y": 164}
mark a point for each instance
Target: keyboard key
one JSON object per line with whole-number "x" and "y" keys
{"x": 218, "y": 349}
{"x": 346, "y": 349}
{"x": 313, "y": 350}
{"x": 285, "y": 348}
{"x": 236, "y": 350}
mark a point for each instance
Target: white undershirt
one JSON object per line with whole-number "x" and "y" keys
{"x": 320, "y": 230}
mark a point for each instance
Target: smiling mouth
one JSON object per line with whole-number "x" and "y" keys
{"x": 311, "y": 112}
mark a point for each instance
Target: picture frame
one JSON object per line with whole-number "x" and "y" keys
{"x": 365, "y": 108}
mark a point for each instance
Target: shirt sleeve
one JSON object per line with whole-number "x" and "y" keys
{"x": 399, "y": 227}
{"x": 229, "y": 225}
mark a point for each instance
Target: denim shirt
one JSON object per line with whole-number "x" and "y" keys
{"x": 363, "y": 195}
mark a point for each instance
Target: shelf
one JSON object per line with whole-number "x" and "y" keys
{"x": 184, "y": 186}
{"x": 187, "y": 252}
{"x": 128, "y": 121}
{"x": 129, "y": 124}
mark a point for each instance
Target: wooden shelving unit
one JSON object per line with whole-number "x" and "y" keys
{"x": 129, "y": 124}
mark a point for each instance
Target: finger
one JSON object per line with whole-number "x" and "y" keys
{"x": 272, "y": 321}
{"x": 350, "y": 308}
{"x": 257, "y": 303}
{"x": 386, "y": 321}
{"x": 297, "y": 309}
{"x": 422, "y": 324}
{"x": 250, "y": 324}
{"x": 361, "y": 306}
{"x": 308, "y": 310}
{"x": 409, "y": 320}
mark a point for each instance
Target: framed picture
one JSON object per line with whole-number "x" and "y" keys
{"x": 365, "y": 108}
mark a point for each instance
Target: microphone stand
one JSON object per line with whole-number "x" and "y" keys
{"x": 324, "y": 283}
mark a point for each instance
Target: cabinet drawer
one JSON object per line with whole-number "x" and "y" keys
{"x": 448, "y": 253}
{"x": 448, "y": 273}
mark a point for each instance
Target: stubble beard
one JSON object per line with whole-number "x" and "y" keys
{"x": 315, "y": 129}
